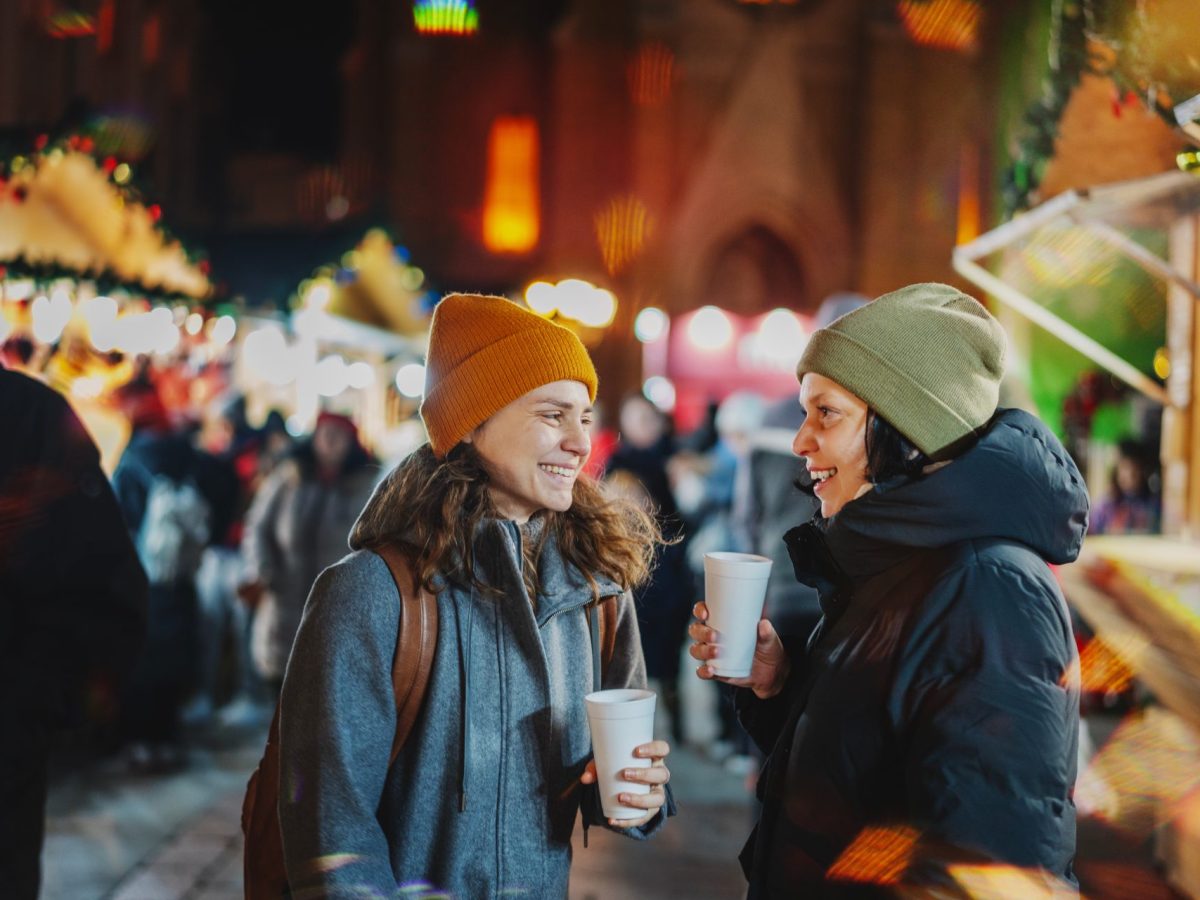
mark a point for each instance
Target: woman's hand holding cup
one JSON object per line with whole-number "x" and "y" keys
{"x": 768, "y": 671}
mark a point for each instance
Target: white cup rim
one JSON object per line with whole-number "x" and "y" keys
{"x": 735, "y": 557}
{"x": 617, "y": 696}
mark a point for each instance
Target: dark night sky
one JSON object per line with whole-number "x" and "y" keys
{"x": 280, "y": 67}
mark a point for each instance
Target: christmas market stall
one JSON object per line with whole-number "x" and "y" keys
{"x": 92, "y": 285}
{"x": 354, "y": 341}
{"x": 1100, "y": 291}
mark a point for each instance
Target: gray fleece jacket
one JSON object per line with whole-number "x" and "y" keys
{"x": 482, "y": 800}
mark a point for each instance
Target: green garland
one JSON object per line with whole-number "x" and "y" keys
{"x": 1123, "y": 32}
{"x": 133, "y": 190}
{"x": 106, "y": 282}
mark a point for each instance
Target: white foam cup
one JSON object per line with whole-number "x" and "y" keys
{"x": 735, "y": 588}
{"x": 620, "y": 720}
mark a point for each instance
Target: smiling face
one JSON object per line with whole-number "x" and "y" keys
{"x": 534, "y": 448}
{"x": 833, "y": 442}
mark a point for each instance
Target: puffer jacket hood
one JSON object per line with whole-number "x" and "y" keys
{"x": 1016, "y": 483}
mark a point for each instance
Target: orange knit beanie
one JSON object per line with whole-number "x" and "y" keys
{"x": 484, "y": 353}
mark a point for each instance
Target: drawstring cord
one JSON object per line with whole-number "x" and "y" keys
{"x": 465, "y": 662}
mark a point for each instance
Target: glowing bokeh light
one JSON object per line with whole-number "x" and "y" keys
{"x": 194, "y": 323}
{"x": 540, "y": 297}
{"x": 1162, "y": 363}
{"x": 268, "y": 356}
{"x": 710, "y": 329}
{"x": 660, "y": 391}
{"x": 585, "y": 303}
{"x": 779, "y": 341}
{"x": 360, "y": 375}
{"x": 410, "y": 380}
{"x": 511, "y": 220}
{"x": 50, "y": 316}
{"x": 651, "y": 325}
{"x": 331, "y": 376}
{"x": 223, "y": 330}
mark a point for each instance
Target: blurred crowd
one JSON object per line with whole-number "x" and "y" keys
{"x": 232, "y": 524}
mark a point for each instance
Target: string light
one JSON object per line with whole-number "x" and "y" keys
{"x": 446, "y": 17}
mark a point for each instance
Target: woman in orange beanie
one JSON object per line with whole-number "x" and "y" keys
{"x": 532, "y": 565}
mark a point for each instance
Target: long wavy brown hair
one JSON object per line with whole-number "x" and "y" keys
{"x": 431, "y": 508}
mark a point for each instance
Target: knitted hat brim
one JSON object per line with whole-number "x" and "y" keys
{"x": 452, "y": 409}
{"x": 930, "y": 424}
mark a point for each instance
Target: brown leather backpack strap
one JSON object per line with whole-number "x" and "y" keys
{"x": 608, "y": 628}
{"x": 415, "y": 643}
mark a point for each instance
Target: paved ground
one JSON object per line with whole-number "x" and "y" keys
{"x": 114, "y": 836}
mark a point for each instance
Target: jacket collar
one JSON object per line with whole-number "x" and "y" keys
{"x": 561, "y": 586}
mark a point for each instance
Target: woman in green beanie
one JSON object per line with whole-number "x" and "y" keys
{"x": 929, "y": 724}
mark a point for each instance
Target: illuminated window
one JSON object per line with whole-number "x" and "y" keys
{"x": 510, "y": 203}
{"x": 947, "y": 24}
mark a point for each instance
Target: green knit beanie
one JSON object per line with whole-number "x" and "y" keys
{"x": 927, "y": 358}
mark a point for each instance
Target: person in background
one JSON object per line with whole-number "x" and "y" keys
{"x": 72, "y": 602}
{"x": 769, "y": 500}
{"x": 936, "y": 707}
{"x": 708, "y": 484}
{"x": 638, "y": 467}
{"x": 171, "y": 500}
{"x": 274, "y": 446}
{"x": 1131, "y": 506}
{"x": 229, "y": 451}
{"x": 297, "y": 526}
{"x": 527, "y": 558}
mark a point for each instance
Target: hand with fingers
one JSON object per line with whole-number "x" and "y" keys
{"x": 657, "y": 776}
{"x": 770, "y": 669}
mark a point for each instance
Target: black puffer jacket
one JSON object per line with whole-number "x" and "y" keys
{"x": 932, "y": 719}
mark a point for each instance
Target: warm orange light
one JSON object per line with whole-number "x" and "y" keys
{"x": 877, "y": 856}
{"x": 651, "y": 74}
{"x": 969, "y": 216}
{"x": 1148, "y": 761}
{"x": 622, "y": 228}
{"x": 1103, "y": 668}
{"x": 947, "y": 24}
{"x": 510, "y": 203}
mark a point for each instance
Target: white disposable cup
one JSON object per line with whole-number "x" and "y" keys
{"x": 735, "y": 588}
{"x": 620, "y": 720}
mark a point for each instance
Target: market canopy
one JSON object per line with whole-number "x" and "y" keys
{"x": 62, "y": 214}
{"x": 374, "y": 286}
{"x": 1056, "y": 266}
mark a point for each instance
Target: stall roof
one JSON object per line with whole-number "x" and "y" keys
{"x": 1087, "y": 221}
